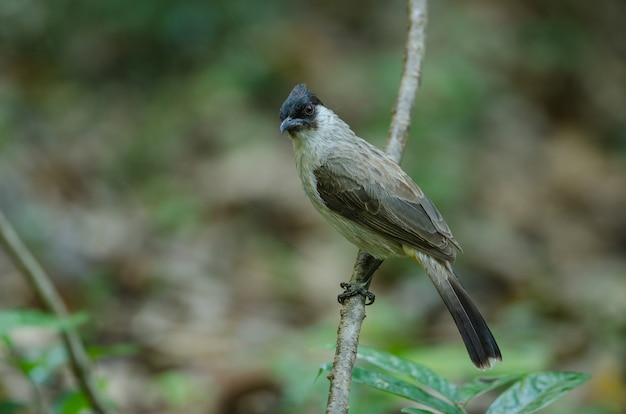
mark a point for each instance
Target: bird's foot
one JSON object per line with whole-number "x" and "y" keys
{"x": 353, "y": 289}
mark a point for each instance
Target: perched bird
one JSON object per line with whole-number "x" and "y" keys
{"x": 373, "y": 203}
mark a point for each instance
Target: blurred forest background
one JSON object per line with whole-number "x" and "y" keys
{"x": 141, "y": 161}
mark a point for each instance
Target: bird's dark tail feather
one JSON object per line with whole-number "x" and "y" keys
{"x": 479, "y": 341}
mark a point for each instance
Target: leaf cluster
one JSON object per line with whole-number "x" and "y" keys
{"x": 522, "y": 393}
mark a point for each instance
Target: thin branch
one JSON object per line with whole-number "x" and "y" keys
{"x": 353, "y": 310}
{"x": 41, "y": 284}
{"x": 410, "y": 81}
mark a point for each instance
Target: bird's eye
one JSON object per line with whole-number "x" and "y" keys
{"x": 309, "y": 109}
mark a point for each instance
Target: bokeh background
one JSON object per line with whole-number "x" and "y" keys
{"x": 140, "y": 160}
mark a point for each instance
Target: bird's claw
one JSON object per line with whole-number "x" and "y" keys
{"x": 353, "y": 289}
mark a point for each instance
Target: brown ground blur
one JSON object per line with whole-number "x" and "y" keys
{"x": 141, "y": 161}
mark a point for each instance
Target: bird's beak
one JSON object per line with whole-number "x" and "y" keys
{"x": 290, "y": 123}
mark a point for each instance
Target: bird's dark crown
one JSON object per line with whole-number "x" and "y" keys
{"x": 295, "y": 104}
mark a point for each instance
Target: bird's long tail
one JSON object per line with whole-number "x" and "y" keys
{"x": 479, "y": 341}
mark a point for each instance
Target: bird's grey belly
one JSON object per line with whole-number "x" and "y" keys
{"x": 364, "y": 238}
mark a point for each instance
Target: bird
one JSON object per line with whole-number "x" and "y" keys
{"x": 374, "y": 204}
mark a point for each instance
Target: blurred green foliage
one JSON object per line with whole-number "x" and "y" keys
{"x": 39, "y": 366}
{"x": 141, "y": 161}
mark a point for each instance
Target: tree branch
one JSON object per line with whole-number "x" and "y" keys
{"x": 410, "y": 81}
{"x": 41, "y": 284}
{"x": 353, "y": 310}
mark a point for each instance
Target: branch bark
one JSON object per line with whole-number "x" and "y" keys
{"x": 41, "y": 284}
{"x": 352, "y": 312}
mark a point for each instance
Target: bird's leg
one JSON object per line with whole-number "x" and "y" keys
{"x": 367, "y": 265}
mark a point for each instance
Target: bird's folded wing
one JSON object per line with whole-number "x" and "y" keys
{"x": 392, "y": 206}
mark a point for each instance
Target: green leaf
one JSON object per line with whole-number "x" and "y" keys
{"x": 41, "y": 364}
{"x": 415, "y": 411}
{"x": 115, "y": 350}
{"x": 327, "y": 367}
{"x": 38, "y": 364}
{"x": 418, "y": 372}
{"x": 535, "y": 391}
{"x": 402, "y": 388}
{"x": 13, "y": 319}
{"x": 11, "y": 407}
{"x": 481, "y": 385}
{"x": 73, "y": 402}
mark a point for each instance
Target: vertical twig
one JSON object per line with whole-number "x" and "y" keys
{"x": 41, "y": 284}
{"x": 353, "y": 310}
{"x": 410, "y": 81}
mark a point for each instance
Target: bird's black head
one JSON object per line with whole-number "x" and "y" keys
{"x": 299, "y": 109}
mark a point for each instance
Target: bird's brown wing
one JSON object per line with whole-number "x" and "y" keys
{"x": 400, "y": 211}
